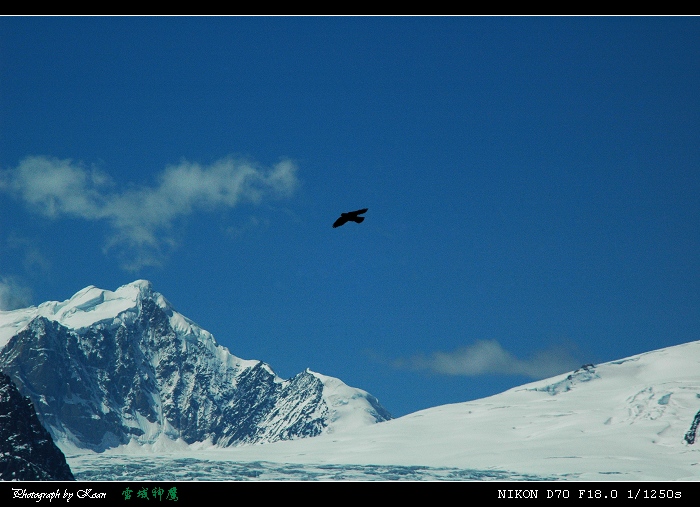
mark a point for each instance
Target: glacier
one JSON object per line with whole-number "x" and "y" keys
{"x": 633, "y": 419}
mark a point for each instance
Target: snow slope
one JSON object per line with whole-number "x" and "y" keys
{"x": 631, "y": 419}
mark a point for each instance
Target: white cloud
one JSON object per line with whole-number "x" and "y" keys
{"x": 57, "y": 187}
{"x": 489, "y": 357}
{"x": 141, "y": 218}
{"x": 13, "y": 295}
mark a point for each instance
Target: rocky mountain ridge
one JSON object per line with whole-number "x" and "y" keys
{"x": 27, "y": 452}
{"x": 108, "y": 368}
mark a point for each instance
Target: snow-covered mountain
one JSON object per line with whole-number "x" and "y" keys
{"x": 27, "y": 452}
{"x": 106, "y": 368}
{"x": 124, "y": 372}
{"x": 632, "y": 419}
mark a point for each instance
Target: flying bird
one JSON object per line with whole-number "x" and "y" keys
{"x": 350, "y": 216}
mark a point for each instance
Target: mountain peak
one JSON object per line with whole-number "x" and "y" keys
{"x": 140, "y": 288}
{"x": 92, "y": 304}
{"x": 108, "y": 367}
{"x": 141, "y": 284}
{"x": 85, "y": 308}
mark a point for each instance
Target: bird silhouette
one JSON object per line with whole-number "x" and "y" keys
{"x": 350, "y": 216}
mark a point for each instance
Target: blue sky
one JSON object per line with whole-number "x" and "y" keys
{"x": 533, "y": 187}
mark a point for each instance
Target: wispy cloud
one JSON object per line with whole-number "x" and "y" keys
{"x": 489, "y": 357}
{"x": 141, "y": 218}
{"x": 13, "y": 295}
{"x": 30, "y": 250}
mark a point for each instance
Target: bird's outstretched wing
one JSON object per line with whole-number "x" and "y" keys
{"x": 341, "y": 221}
{"x": 350, "y": 215}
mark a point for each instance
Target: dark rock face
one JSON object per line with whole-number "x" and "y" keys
{"x": 27, "y": 452}
{"x": 136, "y": 377}
{"x": 692, "y": 433}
